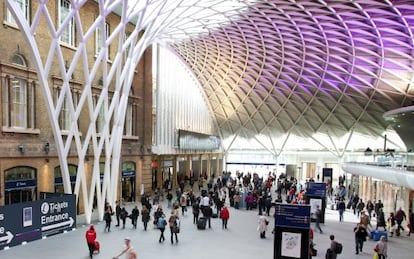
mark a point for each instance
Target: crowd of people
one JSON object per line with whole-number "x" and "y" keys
{"x": 250, "y": 192}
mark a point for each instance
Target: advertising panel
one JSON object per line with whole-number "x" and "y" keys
{"x": 29, "y": 221}
{"x": 292, "y": 216}
{"x": 314, "y": 189}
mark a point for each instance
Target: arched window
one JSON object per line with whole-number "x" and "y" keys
{"x": 18, "y": 59}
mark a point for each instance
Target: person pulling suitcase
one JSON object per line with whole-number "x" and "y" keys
{"x": 90, "y": 236}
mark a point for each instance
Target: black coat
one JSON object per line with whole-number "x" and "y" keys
{"x": 134, "y": 214}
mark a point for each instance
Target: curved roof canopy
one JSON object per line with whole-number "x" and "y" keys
{"x": 304, "y": 67}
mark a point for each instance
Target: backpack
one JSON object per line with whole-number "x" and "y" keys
{"x": 338, "y": 248}
{"x": 161, "y": 222}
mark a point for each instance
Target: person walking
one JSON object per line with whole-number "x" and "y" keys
{"x": 224, "y": 215}
{"x": 169, "y": 199}
{"x": 208, "y": 213}
{"x": 236, "y": 199}
{"x": 381, "y": 248}
{"x": 381, "y": 219}
{"x": 196, "y": 212}
{"x": 341, "y": 209}
{"x": 128, "y": 251}
{"x": 174, "y": 227}
{"x": 360, "y": 207}
{"x": 108, "y": 219}
{"x": 399, "y": 217}
{"x": 318, "y": 217}
{"x": 378, "y": 206}
{"x": 262, "y": 228}
{"x": 365, "y": 221}
{"x": 370, "y": 207}
{"x": 117, "y": 213}
{"x": 161, "y": 226}
{"x": 360, "y": 237}
{"x": 391, "y": 223}
{"x": 134, "y": 216}
{"x": 354, "y": 201}
{"x": 123, "y": 215}
{"x": 145, "y": 217}
{"x": 183, "y": 203}
{"x": 331, "y": 251}
{"x": 90, "y": 236}
{"x": 410, "y": 222}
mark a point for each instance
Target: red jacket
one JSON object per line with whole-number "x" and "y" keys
{"x": 90, "y": 236}
{"x": 225, "y": 214}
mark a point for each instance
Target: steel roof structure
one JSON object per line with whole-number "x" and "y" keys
{"x": 305, "y": 67}
{"x": 265, "y": 67}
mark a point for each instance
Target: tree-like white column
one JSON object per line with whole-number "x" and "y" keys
{"x": 153, "y": 21}
{"x": 118, "y": 75}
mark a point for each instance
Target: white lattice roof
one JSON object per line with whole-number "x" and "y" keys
{"x": 305, "y": 67}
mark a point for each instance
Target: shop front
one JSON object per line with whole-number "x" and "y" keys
{"x": 20, "y": 185}
{"x": 128, "y": 179}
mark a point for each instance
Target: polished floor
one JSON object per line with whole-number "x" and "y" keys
{"x": 240, "y": 241}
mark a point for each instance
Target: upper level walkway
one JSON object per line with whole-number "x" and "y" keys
{"x": 241, "y": 240}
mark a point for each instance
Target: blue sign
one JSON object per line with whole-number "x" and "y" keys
{"x": 22, "y": 184}
{"x": 292, "y": 216}
{"x": 59, "y": 180}
{"x": 29, "y": 221}
{"x": 129, "y": 173}
{"x": 314, "y": 189}
{"x": 327, "y": 175}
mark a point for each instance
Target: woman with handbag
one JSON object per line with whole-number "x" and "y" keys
{"x": 174, "y": 227}
{"x": 381, "y": 248}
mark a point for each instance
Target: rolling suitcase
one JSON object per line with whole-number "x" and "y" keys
{"x": 201, "y": 224}
{"x": 97, "y": 247}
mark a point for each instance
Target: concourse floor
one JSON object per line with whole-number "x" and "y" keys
{"x": 241, "y": 240}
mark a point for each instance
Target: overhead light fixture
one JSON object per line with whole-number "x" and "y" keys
{"x": 21, "y": 149}
{"x": 46, "y": 148}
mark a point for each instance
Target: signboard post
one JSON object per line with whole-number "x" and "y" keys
{"x": 327, "y": 175}
{"x": 292, "y": 223}
{"x": 316, "y": 196}
{"x": 29, "y": 221}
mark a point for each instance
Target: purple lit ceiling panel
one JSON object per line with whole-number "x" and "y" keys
{"x": 304, "y": 67}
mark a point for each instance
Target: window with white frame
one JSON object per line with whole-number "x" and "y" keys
{"x": 68, "y": 34}
{"x": 18, "y": 96}
{"x": 100, "y": 121}
{"x": 99, "y": 40}
{"x": 65, "y": 115}
{"x": 24, "y": 6}
{"x": 18, "y": 100}
{"x": 129, "y": 129}
{"x": 126, "y": 52}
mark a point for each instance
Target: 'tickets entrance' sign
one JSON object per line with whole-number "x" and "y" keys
{"x": 29, "y": 221}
